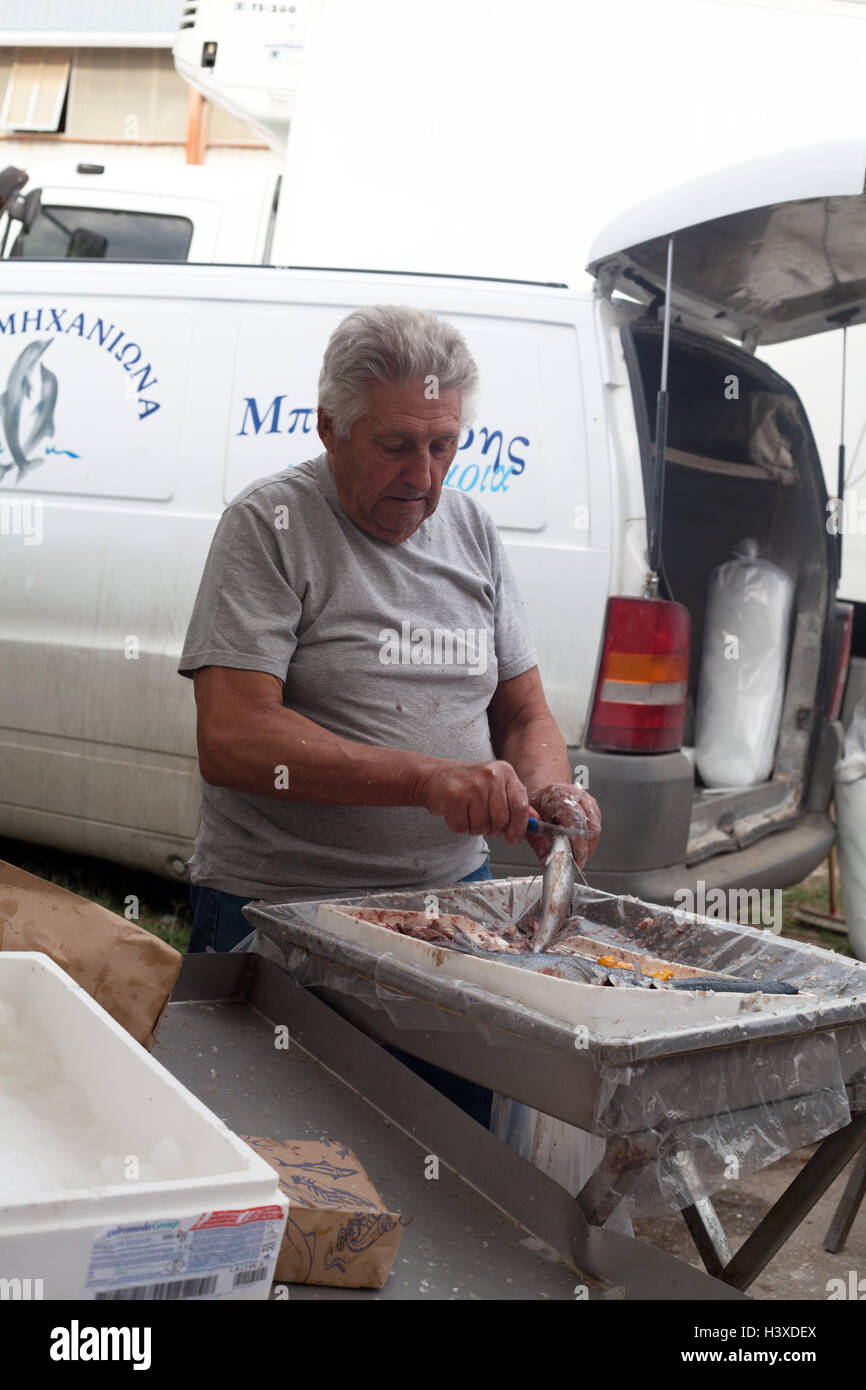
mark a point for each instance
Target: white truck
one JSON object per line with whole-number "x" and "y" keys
{"x": 245, "y": 59}
{"x": 137, "y": 398}
{"x": 128, "y": 210}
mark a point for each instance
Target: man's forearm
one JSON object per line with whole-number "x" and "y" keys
{"x": 536, "y": 750}
{"x": 283, "y": 755}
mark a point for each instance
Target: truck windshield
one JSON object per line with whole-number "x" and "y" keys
{"x": 104, "y": 234}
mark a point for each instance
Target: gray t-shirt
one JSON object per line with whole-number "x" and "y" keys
{"x": 401, "y": 646}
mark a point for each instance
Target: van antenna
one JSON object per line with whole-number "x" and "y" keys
{"x": 661, "y": 436}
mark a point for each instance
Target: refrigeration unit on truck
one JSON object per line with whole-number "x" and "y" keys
{"x": 169, "y": 387}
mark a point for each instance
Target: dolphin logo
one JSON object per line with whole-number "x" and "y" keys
{"x": 20, "y": 384}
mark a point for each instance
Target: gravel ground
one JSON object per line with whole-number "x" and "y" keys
{"x": 802, "y": 1267}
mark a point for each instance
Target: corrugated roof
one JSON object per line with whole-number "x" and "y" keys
{"x": 88, "y": 17}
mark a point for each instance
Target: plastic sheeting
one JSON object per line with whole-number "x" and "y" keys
{"x": 674, "y": 1116}
{"x": 742, "y": 681}
{"x": 850, "y": 797}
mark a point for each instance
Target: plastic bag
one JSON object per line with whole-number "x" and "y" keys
{"x": 850, "y": 794}
{"x": 742, "y": 681}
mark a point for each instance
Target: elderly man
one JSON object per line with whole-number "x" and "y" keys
{"x": 369, "y": 702}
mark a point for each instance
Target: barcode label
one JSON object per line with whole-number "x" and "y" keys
{"x": 177, "y": 1288}
{"x": 206, "y": 1255}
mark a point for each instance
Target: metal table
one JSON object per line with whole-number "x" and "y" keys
{"x": 490, "y": 1227}
{"x": 815, "y": 1054}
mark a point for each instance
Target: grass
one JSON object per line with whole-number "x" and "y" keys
{"x": 163, "y": 906}
{"x": 813, "y": 892}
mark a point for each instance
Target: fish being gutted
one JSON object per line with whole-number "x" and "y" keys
{"x": 556, "y": 893}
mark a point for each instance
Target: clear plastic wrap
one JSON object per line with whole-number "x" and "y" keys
{"x": 742, "y": 680}
{"x": 671, "y": 1117}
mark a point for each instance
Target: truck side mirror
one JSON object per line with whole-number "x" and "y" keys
{"x": 11, "y": 179}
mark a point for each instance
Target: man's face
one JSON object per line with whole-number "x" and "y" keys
{"x": 389, "y": 472}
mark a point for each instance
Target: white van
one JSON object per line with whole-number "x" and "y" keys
{"x": 138, "y": 399}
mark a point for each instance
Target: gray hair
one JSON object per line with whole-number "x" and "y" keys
{"x": 395, "y": 344}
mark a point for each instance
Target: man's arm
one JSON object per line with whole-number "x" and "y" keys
{"x": 524, "y": 733}
{"x": 246, "y": 736}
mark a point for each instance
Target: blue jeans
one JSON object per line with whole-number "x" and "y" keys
{"x": 219, "y": 923}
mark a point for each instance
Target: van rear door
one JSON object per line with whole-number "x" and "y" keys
{"x": 762, "y": 253}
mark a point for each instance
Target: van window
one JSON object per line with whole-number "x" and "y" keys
{"x": 104, "y": 234}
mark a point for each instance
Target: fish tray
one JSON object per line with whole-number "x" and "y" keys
{"x": 661, "y": 1073}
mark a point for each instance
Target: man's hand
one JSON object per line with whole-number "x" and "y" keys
{"x": 576, "y": 811}
{"x": 478, "y": 799}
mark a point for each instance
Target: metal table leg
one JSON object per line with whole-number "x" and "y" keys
{"x": 702, "y": 1219}
{"x": 622, "y": 1163}
{"x": 849, "y": 1205}
{"x": 708, "y": 1235}
{"x": 794, "y": 1204}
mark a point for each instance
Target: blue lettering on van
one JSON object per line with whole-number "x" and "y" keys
{"x": 519, "y": 463}
{"x": 49, "y": 319}
{"x": 299, "y": 416}
{"x": 307, "y": 428}
{"x": 491, "y": 437}
{"x": 100, "y": 329}
{"x": 487, "y": 476}
{"x": 252, "y": 412}
{"x": 490, "y": 474}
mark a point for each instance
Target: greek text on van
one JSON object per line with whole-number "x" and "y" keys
{"x": 464, "y": 474}
{"x": 95, "y": 330}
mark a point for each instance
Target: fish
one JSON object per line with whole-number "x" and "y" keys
{"x": 546, "y": 963}
{"x": 563, "y": 967}
{"x": 732, "y": 986}
{"x": 557, "y": 893}
{"x": 19, "y": 385}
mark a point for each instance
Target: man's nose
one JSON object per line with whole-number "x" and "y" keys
{"x": 418, "y": 468}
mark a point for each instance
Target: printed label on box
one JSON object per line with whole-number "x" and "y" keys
{"x": 206, "y": 1256}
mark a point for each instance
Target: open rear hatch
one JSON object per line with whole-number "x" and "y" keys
{"x": 735, "y": 456}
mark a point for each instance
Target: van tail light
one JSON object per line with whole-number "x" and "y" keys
{"x": 643, "y": 678}
{"x": 843, "y": 627}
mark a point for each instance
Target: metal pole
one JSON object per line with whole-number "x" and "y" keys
{"x": 840, "y": 481}
{"x": 661, "y": 431}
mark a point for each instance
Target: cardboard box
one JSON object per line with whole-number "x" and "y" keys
{"x": 123, "y": 967}
{"x": 338, "y": 1230}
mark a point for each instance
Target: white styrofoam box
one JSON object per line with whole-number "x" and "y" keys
{"x": 617, "y": 1015}
{"x": 212, "y": 1233}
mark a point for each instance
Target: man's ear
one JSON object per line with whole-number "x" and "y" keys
{"x": 327, "y": 433}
